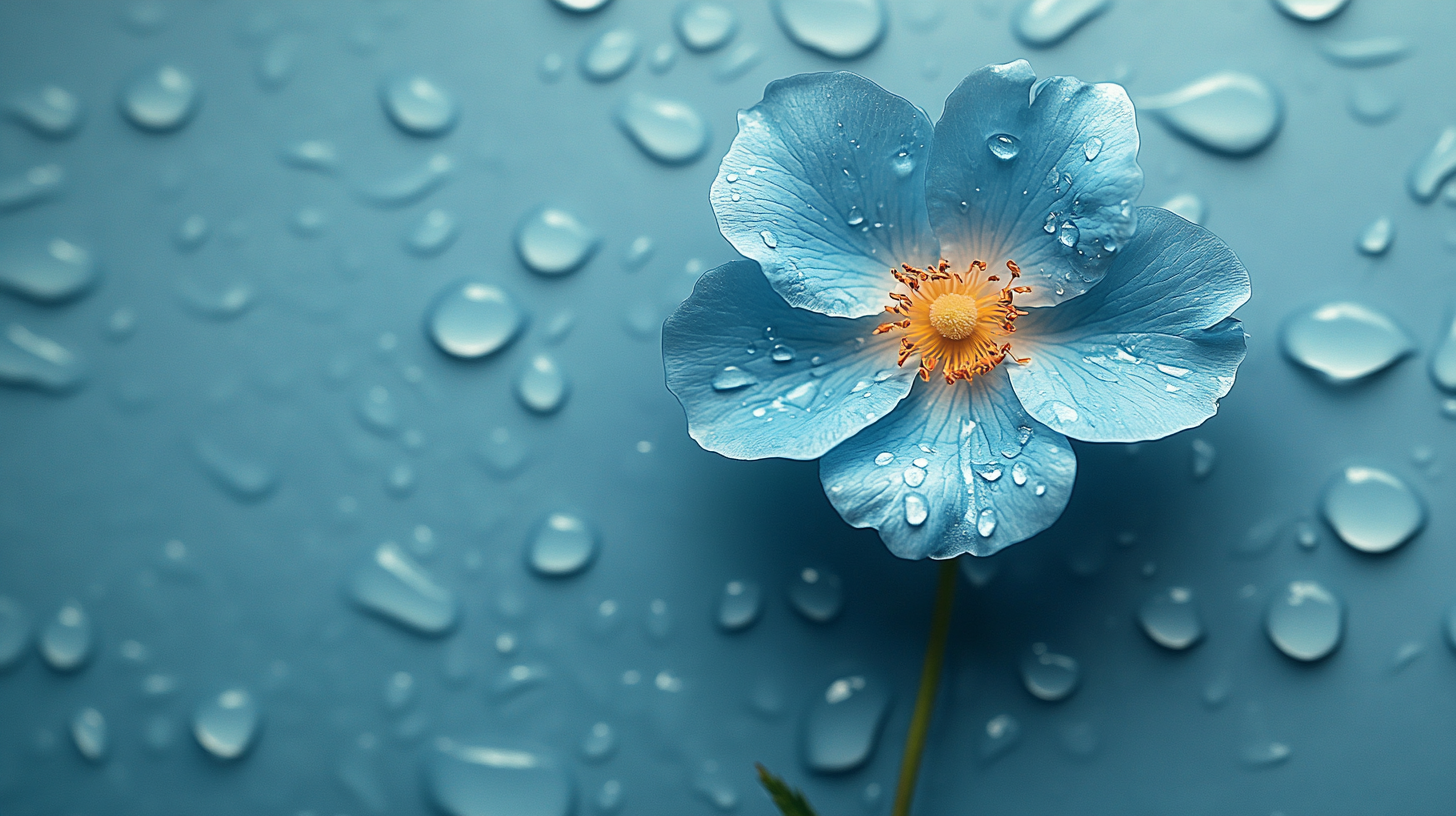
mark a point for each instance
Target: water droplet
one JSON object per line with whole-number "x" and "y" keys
{"x": 842, "y": 29}
{"x": 1187, "y": 206}
{"x": 739, "y": 60}
{"x": 395, "y": 587}
{"x": 541, "y": 386}
{"x": 1003, "y": 146}
{"x": 32, "y": 187}
{"x": 769, "y": 240}
{"x": 581, "y": 6}
{"x": 843, "y": 724}
{"x": 1365, "y": 53}
{"x": 28, "y": 360}
{"x": 1443, "y": 359}
{"x": 311, "y": 154}
{"x": 1344, "y": 342}
{"x": 471, "y": 320}
{"x": 160, "y": 98}
{"x": 986, "y": 523}
{"x": 51, "y": 271}
{"x": 1372, "y": 510}
{"x": 241, "y": 477}
{"x": 1064, "y": 412}
{"x": 1226, "y": 112}
{"x": 1068, "y": 234}
{"x": 400, "y": 691}
{"x": 1371, "y": 104}
{"x": 817, "y": 594}
{"x": 88, "y": 732}
{"x": 67, "y": 640}
{"x": 1003, "y": 732}
{"x": 553, "y": 241}
{"x": 740, "y": 605}
{"x": 277, "y": 63}
{"x": 48, "y": 111}
{"x": 1262, "y": 753}
{"x": 144, "y": 17}
{"x": 1311, "y": 11}
{"x": 914, "y": 476}
{"x": 703, "y": 25}
{"x": 564, "y": 544}
{"x": 599, "y": 743}
{"x": 1047, "y": 22}
{"x": 732, "y": 378}
{"x": 917, "y": 510}
{"x": 903, "y": 165}
{"x": 1092, "y": 147}
{"x": 669, "y": 131}
{"x": 1451, "y": 626}
{"x": 884, "y": 458}
{"x": 226, "y": 725}
{"x": 1376, "y": 238}
{"x": 708, "y": 782}
{"x": 309, "y": 222}
{"x": 1204, "y": 457}
{"x": 1049, "y": 676}
{"x": 610, "y": 55}
{"x": 609, "y": 797}
{"x": 433, "y": 235}
{"x": 417, "y": 105}
{"x": 802, "y": 396}
{"x": 659, "y": 620}
{"x": 410, "y": 186}
{"x": 1426, "y": 176}
{"x": 1171, "y": 619}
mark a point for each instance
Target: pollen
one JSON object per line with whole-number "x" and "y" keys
{"x": 960, "y": 323}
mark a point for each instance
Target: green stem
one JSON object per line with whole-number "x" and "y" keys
{"x": 929, "y": 683}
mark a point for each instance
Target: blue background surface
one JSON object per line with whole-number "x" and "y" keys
{"x": 93, "y": 484}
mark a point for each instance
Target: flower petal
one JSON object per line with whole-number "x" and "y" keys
{"x": 745, "y": 401}
{"x": 1075, "y": 164}
{"x": 964, "y": 461}
{"x": 824, "y": 186}
{"x": 1147, "y": 353}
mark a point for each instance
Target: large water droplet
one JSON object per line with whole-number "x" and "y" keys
{"x": 1376, "y": 238}
{"x": 667, "y": 130}
{"x": 51, "y": 271}
{"x": 31, "y": 187}
{"x": 609, "y": 55}
{"x": 1003, "y": 146}
{"x": 843, "y": 723}
{"x": 1311, "y": 11}
{"x": 14, "y": 632}
{"x": 1003, "y": 732}
{"x": 160, "y": 98}
{"x": 225, "y": 725}
{"x": 1434, "y": 168}
{"x": 1372, "y": 510}
{"x": 1042, "y": 23}
{"x": 410, "y": 186}
{"x": 553, "y": 241}
{"x": 564, "y": 544}
{"x": 1343, "y": 341}
{"x": 703, "y": 25}
{"x": 732, "y": 378}
{"x": 1171, "y": 618}
{"x": 28, "y": 360}
{"x": 486, "y": 778}
{"x": 1305, "y": 621}
{"x": 67, "y": 640}
{"x": 1049, "y": 676}
{"x": 88, "y": 732}
{"x": 417, "y": 105}
{"x": 1443, "y": 359}
{"x": 398, "y": 589}
{"x": 541, "y": 386}
{"x": 1365, "y": 53}
{"x": 471, "y": 320}
{"x": 48, "y": 111}
{"x": 817, "y": 594}
{"x": 1226, "y": 112}
{"x": 740, "y": 605}
{"x": 434, "y": 234}
{"x": 843, "y": 29}
{"x": 243, "y": 478}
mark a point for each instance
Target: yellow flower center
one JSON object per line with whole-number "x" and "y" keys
{"x": 961, "y": 320}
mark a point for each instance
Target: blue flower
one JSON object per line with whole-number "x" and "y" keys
{"x": 996, "y": 255}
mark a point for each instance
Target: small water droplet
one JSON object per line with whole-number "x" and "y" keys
{"x": 49, "y": 111}
{"x": 240, "y": 476}
{"x": 31, "y": 187}
{"x": 277, "y": 62}
{"x": 1047, "y": 675}
{"x": 1170, "y": 618}
{"x": 1068, "y": 234}
{"x": 67, "y": 640}
{"x": 1372, "y": 510}
{"x": 1376, "y": 238}
{"x": 1435, "y": 168}
{"x": 88, "y": 732}
{"x": 541, "y": 386}
{"x": 1367, "y": 52}
{"x": 802, "y": 395}
{"x": 914, "y": 476}
{"x": 553, "y": 241}
{"x": 225, "y": 725}
{"x": 551, "y": 67}
{"x": 703, "y": 25}
{"x": 662, "y": 57}
{"x": 986, "y": 523}
{"x": 471, "y": 320}
{"x": 1187, "y": 206}
{"x": 160, "y": 98}
{"x": 418, "y": 105}
{"x": 1371, "y": 104}
{"x": 46, "y": 271}
{"x": 817, "y": 594}
{"x": 609, "y": 55}
{"x": 843, "y": 724}
{"x": 739, "y": 60}
{"x": 1311, "y": 11}
{"x": 581, "y": 6}
{"x": 564, "y": 544}
{"x": 903, "y": 164}
{"x": 311, "y": 154}
{"x": 1092, "y": 147}
{"x": 659, "y": 620}
{"x": 769, "y": 240}
{"x": 1003, "y": 146}
{"x": 667, "y": 130}
{"x": 394, "y": 586}
{"x": 639, "y": 252}
{"x": 1344, "y": 342}
{"x": 732, "y": 378}
{"x": 410, "y": 186}
{"x": 1204, "y": 457}
{"x": 309, "y": 222}
{"x": 740, "y": 605}
{"x": 599, "y": 743}
{"x": 917, "y": 510}
{"x": 1047, "y": 22}
{"x": 1225, "y": 112}
{"x": 884, "y": 458}
{"x": 842, "y": 29}
{"x": 1002, "y": 733}
{"x": 1305, "y": 621}
{"x": 435, "y": 232}
{"x": 28, "y": 360}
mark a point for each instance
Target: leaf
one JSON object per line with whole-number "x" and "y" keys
{"x": 790, "y": 802}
